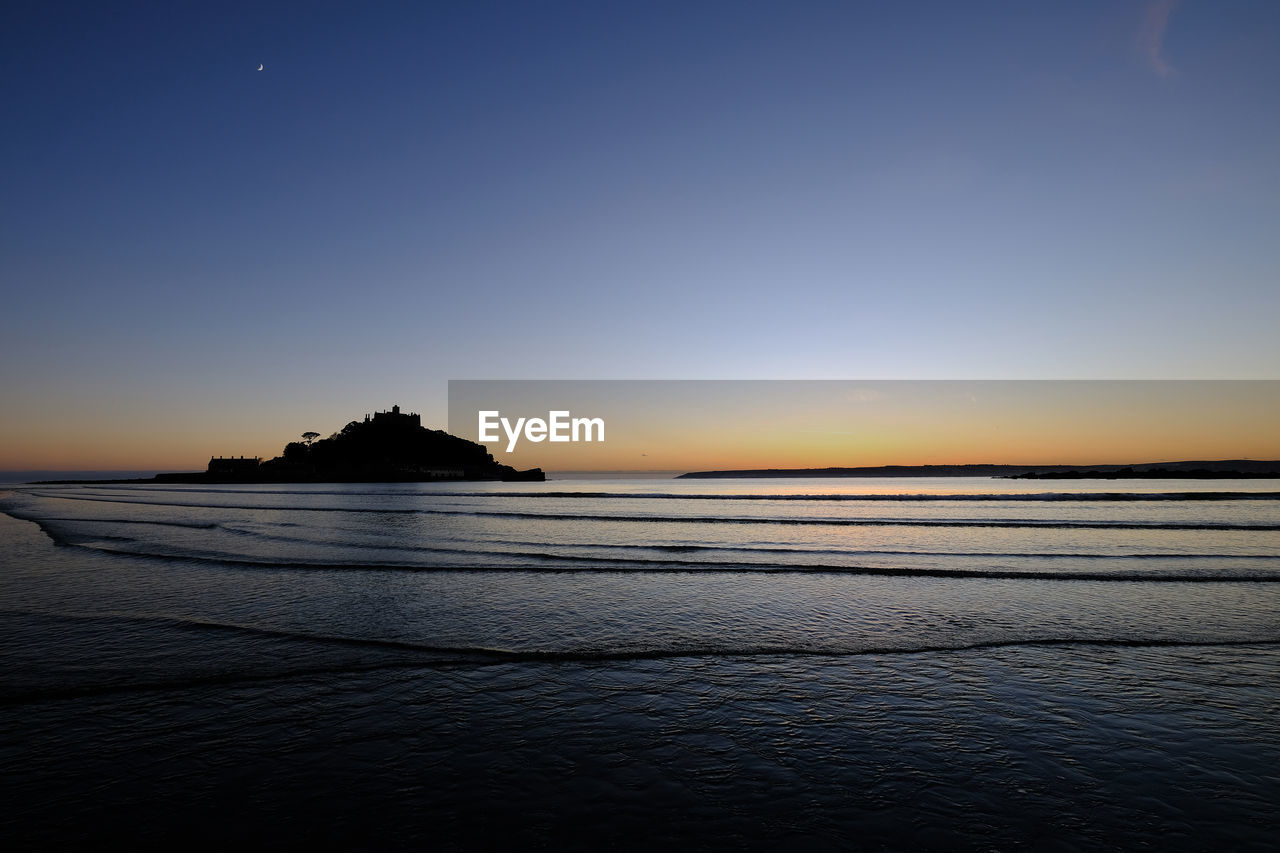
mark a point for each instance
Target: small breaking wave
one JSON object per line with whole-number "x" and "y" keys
{"x": 391, "y": 654}
{"x": 531, "y": 561}
{"x": 718, "y": 519}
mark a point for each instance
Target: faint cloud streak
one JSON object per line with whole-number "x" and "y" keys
{"x": 1155, "y": 21}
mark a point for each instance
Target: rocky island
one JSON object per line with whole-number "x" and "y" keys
{"x": 386, "y": 447}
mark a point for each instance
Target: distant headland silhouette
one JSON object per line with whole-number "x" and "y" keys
{"x": 1223, "y": 469}
{"x": 386, "y": 447}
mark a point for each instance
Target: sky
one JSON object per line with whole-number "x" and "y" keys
{"x": 199, "y": 257}
{"x": 691, "y": 425}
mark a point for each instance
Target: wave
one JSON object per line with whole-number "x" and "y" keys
{"x": 559, "y": 563}
{"x": 61, "y": 538}
{"x": 410, "y": 656}
{"x": 190, "y": 525}
{"x": 627, "y": 654}
{"x": 688, "y": 548}
{"x": 453, "y": 658}
{"x": 718, "y": 519}
{"x": 693, "y": 549}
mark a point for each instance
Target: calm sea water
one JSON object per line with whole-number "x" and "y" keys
{"x": 884, "y": 664}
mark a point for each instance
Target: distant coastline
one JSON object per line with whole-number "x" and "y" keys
{"x": 1196, "y": 470}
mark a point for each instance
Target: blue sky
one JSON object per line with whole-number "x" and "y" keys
{"x": 408, "y": 193}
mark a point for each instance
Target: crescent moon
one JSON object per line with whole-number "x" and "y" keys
{"x": 259, "y": 67}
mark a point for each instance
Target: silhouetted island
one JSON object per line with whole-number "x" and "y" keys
{"x": 386, "y": 447}
{"x": 1224, "y": 469}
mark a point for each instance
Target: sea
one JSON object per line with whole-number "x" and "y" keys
{"x": 758, "y": 664}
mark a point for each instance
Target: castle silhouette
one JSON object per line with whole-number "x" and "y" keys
{"x": 390, "y": 446}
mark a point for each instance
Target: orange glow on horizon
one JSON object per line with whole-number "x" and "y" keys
{"x": 781, "y": 425}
